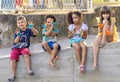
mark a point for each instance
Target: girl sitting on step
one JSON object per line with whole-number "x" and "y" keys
{"x": 106, "y": 32}
{"x": 77, "y": 34}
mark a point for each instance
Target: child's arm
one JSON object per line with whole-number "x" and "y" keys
{"x": 17, "y": 36}
{"x": 112, "y": 27}
{"x": 31, "y": 26}
{"x": 53, "y": 34}
{"x": 49, "y": 31}
{"x": 35, "y": 32}
{"x": 17, "y": 39}
{"x": 99, "y": 30}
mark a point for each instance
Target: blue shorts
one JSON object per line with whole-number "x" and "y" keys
{"x": 75, "y": 41}
{"x": 51, "y": 45}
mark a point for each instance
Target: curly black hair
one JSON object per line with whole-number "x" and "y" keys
{"x": 50, "y": 16}
{"x": 69, "y": 16}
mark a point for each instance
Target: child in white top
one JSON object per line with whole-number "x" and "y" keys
{"x": 77, "y": 34}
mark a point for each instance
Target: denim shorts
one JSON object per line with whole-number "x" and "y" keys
{"x": 51, "y": 45}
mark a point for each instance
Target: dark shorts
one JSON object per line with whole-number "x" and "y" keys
{"x": 51, "y": 45}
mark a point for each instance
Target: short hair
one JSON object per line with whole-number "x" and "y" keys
{"x": 50, "y": 16}
{"x": 21, "y": 17}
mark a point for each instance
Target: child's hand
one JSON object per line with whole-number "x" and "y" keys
{"x": 53, "y": 24}
{"x": 81, "y": 32}
{"x": 17, "y": 32}
{"x": 43, "y": 25}
{"x": 74, "y": 31}
{"x": 100, "y": 25}
{"x": 84, "y": 35}
{"x": 30, "y": 24}
{"x": 105, "y": 21}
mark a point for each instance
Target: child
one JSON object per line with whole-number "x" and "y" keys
{"x": 49, "y": 43}
{"x": 77, "y": 35}
{"x": 106, "y": 32}
{"x": 21, "y": 45}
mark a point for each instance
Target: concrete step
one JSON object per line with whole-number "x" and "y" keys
{"x": 67, "y": 67}
{"x": 36, "y": 48}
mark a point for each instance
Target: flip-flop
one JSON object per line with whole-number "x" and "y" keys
{"x": 82, "y": 69}
{"x": 95, "y": 68}
{"x": 31, "y": 73}
{"x": 11, "y": 79}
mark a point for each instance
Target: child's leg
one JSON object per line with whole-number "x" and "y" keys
{"x": 96, "y": 50}
{"x": 26, "y": 54}
{"x": 110, "y": 38}
{"x": 77, "y": 50}
{"x": 53, "y": 54}
{"x": 83, "y": 46}
{"x": 104, "y": 38}
{"x": 46, "y": 46}
{"x": 27, "y": 62}
{"x": 14, "y": 57}
{"x": 13, "y": 65}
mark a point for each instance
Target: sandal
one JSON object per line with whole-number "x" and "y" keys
{"x": 95, "y": 68}
{"x": 11, "y": 79}
{"x": 82, "y": 69}
{"x": 31, "y": 73}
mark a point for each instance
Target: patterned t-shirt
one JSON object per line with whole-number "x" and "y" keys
{"x": 24, "y": 39}
{"x": 50, "y": 38}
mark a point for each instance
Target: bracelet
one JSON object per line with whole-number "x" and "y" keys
{"x": 19, "y": 34}
{"x": 30, "y": 26}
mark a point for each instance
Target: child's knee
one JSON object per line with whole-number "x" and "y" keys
{"x": 95, "y": 44}
{"x": 26, "y": 56}
{"x": 56, "y": 46}
{"x": 77, "y": 48}
{"x": 44, "y": 43}
{"x": 84, "y": 47}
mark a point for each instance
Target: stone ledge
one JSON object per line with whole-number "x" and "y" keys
{"x": 67, "y": 67}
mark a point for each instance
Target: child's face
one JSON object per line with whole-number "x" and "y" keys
{"x": 21, "y": 24}
{"x": 76, "y": 19}
{"x": 105, "y": 15}
{"x": 49, "y": 22}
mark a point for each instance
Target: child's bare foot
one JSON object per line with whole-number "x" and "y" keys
{"x": 52, "y": 65}
{"x": 56, "y": 58}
